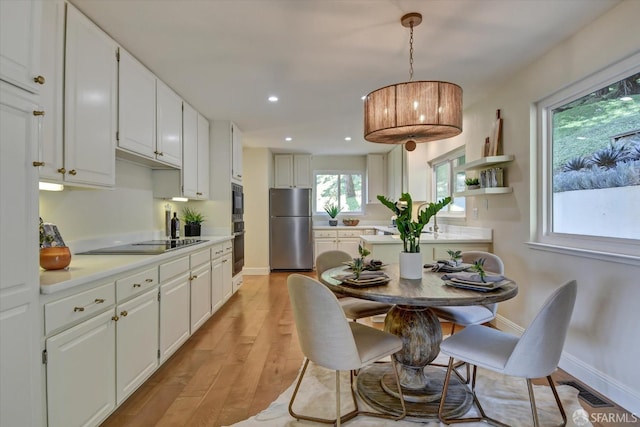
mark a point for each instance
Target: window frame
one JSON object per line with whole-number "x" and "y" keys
{"x": 542, "y": 236}
{"x": 449, "y": 157}
{"x": 319, "y": 210}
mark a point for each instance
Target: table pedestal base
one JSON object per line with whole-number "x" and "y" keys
{"x": 376, "y": 385}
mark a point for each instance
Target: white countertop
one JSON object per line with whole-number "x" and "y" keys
{"x": 87, "y": 268}
{"x": 439, "y": 238}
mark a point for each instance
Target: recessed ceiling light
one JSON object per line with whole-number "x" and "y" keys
{"x": 348, "y": 138}
{"x": 288, "y": 139}
{"x": 626, "y": 98}
{"x": 273, "y": 98}
{"x": 364, "y": 97}
{"x": 581, "y": 138}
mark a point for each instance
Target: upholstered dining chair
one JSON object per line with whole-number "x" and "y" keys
{"x": 472, "y": 314}
{"x": 354, "y": 308}
{"x": 533, "y": 355}
{"x": 328, "y": 339}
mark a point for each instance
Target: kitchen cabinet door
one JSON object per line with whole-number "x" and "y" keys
{"x": 189, "y": 152}
{"x": 236, "y": 153}
{"x": 202, "y": 192}
{"x": 137, "y": 342}
{"x": 136, "y": 107}
{"x": 394, "y": 173}
{"x": 20, "y": 43}
{"x": 376, "y": 178}
{"x": 200, "y": 295}
{"x": 227, "y": 277}
{"x": 292, "y": 171}
{"x": 81, "y": 377}
{"x": 50, "y": 150}
{"x": 349, "y": 245}
{"x": 20, "y": 315}
{"x": 174, "y": 315}
{"x": 91, "y": 77}
{"x": 169, "y": 125}
{"x": 302, "y": 171}
{"x": 217, "y": 284}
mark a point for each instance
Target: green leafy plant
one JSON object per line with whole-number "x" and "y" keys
{"x": 471, "y": 181}
{"x": 192, "y": 216}
{"x": 478, "y": 267}
{"x": 455, "y": 255}
{"x": 576, "y": 164}
{"x": 332, "y": 209}
{"x": 410, "y": 230}
{"x": 358, "y": 263}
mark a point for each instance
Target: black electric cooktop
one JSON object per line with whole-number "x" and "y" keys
{"x": 150, "y": 247}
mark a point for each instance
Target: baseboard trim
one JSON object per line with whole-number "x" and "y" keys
{"x": 255, "y": 271}
{"x": 609, "y": 387}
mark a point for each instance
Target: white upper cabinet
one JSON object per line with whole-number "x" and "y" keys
{"x": 169, "y": 125}
{"x": 292, "y": 171}
{"x": 236, "y": 153}
{"x": 189, "y": 151}
{"x": 203, "y": 158}
{"x": 91, "y": 76}
{"x": 136, "y": 107}
{"x": 50, "y": 150}
{"x": 20, "y": 44}
{"x": 394, "y": 173}
{"x": 376, "y": 177}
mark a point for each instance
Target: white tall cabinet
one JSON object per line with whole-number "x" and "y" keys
{"x": 20, "y": 370}
{"x": 90, "y": 119}
{"x": 376, "y": 177}
{"x": 236, "y": 153}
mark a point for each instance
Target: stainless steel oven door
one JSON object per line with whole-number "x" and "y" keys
{"x": 238, "y": 252}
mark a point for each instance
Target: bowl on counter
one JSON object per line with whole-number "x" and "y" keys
{"x": 351, "y": 222}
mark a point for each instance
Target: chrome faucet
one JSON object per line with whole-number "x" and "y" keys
{"x": 435, "y": 219}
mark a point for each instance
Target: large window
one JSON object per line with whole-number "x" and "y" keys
{"x": 341, "y": 188}
{"x": 447, "y": 181}
{"x": 590, "y": 156}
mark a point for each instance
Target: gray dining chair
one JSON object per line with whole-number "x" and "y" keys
{"x": 328, "y": 339}
{"x": 533, "y": 355}
{"x": 353, "y": 308}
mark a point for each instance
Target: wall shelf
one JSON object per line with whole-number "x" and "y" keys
{"x": 481, "y": 191}
{"x": 485, "y": 162}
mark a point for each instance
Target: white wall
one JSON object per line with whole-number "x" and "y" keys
{"x": 603, "y": 344}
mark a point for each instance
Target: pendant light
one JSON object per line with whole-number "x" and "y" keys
{"x": 413, "y": 111}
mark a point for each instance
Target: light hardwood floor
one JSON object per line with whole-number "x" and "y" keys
{"x": 235, "y": 365}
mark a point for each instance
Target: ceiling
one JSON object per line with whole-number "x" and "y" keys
{"x": 320, "y": 57}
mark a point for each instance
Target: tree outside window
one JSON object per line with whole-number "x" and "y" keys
{"x": 341, "y": 188}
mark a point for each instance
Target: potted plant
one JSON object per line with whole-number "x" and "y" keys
{"x": 410, "y": 231}
{"x": 192, "y": 222}
{"x": 54, "y": 254}
{"x": 472, "y": 183}
{"x": 456, "y": 256}
{"x": 333, "y": 210}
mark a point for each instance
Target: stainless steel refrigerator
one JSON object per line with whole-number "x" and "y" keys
{"x": 290, "y": 229}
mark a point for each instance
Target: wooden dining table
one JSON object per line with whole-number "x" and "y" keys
{"x": 412, "y": 320}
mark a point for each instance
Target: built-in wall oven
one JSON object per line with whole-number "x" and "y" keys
{"x": 237, "y": 213}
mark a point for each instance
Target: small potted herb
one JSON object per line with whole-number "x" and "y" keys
{"x": 472, "y": 183}
{"x": 192, "y": 222}
{"x": 456, "y": 256}
{"x": 333, "y": 210}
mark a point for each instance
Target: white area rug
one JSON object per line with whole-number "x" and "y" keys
{"x": 503, "y": 398}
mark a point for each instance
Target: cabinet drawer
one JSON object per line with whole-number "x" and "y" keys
{"x": 227, "y": 247}
{"x": 217, "y": 251}
{"x": 200, "y": 258}
{"x": 136, "y": 283}
{"x": 173, "y": 268}
{"x": 78, "y": 307}
{"x": 349, "y": 233}
{"x": 324, "y": 233}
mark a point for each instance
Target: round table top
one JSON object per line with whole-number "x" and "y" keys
{"x": 429, "y": 291}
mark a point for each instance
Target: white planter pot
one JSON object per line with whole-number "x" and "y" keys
{"x": 411, "y": 265}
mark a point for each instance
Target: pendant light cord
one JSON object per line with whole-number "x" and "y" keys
{"x": 411, "y": 54}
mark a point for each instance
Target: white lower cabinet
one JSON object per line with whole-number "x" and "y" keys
{"x": 339, "y": 239}
{"x": 136, "y": 342}
{"x": 174, "y": 315}
{"x": 217, "y": 277}
{"x": 81, "y": 377}
{"x": 200, "y": 289}
{"x": 227, "y": 276}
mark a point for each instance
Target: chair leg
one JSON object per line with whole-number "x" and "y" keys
{"x": 534, "y": 409}
{"x": 337, "y": 421}
{"x": 445, "y": 388}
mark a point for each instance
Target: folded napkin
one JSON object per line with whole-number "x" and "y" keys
{"x": 364, "y": 275}
{"x": 447, "y": 266}
{"x": 473, "y": 277}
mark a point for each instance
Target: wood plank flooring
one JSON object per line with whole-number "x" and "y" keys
{"x": 237, "y": 363}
